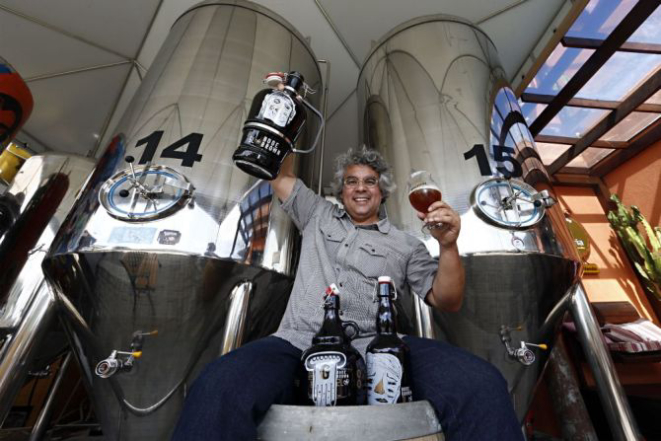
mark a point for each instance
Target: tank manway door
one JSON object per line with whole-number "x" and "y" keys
{"x": 148, "y": 193}
{"x": 510, "y": 203}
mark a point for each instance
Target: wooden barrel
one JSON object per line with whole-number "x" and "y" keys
{"x": 408, "y": 421}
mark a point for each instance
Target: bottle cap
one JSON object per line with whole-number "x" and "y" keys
{"x": 332, "y": 290}
{"x": 272, "y": 79}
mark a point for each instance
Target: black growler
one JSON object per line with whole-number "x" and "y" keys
{"x": 387, "y": 355}
{"x": 275, "y": 121}
{"x": 335, "y": 370}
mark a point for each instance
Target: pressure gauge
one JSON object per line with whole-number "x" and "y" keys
{"x": 510, "y": 203}
{"x": 145, "y": 194}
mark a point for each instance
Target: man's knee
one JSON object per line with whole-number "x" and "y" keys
{"x": 213, "y": 380}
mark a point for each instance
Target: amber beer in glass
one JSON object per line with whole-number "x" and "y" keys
{"x": 423, "y": 191}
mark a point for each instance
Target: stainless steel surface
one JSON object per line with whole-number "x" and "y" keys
{"x": 23, "y": 189}
{"x": 613, "y": 399}
{"x": 236, "y": 317}
{"x": 423, "y": 319}
{"x": 433, "y": 96}
{"x": 172, "y": 277}
{"x": 43, "y": 420}
{"x": 402, "y": 421}
{"x": 27, "y": 308}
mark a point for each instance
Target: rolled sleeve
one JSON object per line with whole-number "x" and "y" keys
{"x": 421, "y": 270}
{"x": 301, "y": 204}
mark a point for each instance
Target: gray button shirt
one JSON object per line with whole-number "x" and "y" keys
{"x": 334, "y": 250}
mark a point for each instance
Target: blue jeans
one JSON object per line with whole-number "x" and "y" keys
{"x": 233, "y": 393}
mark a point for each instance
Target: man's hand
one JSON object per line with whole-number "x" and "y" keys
{"x": 447, "y": 291}
{"x": 441, "y": 213}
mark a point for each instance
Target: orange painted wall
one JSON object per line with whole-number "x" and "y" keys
{"x": 638, "y": 182}
{"x": 616, "y": 280}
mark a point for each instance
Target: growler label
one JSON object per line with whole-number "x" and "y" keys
{"x": 328, "y": 377}
{"x": 384, "y": 378}
{"x": 279, "y": 108}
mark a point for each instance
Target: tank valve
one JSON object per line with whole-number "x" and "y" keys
{"x": 524, "y": 354}
{"x": 117, "y": 361}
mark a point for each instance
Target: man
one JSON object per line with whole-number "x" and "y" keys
{"x": 352, "y": 247}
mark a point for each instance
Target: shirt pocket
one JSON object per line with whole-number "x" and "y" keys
{"x": 333, "y": 234}
{"x": 371, "y": 261}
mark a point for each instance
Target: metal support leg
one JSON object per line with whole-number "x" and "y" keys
{"x": 423, "y": 318}
{"x": 20, "y": 348}
{"x": 43, "y": 420}
{"x": 236, "y": 317}
{"x": 613, "y": 399}
{"x": 566, "y": 397}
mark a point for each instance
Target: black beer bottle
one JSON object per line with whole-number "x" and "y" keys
{"x": 335, "y": 370}
{"x": 387, "y": 355}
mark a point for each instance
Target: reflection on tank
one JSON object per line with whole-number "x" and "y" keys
{"x": 31, "y": 210}
{"x": 433, "y": 96}
{"x": 178, "y": 245}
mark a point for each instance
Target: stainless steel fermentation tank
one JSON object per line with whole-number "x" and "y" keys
{"x": 433, "y": 96}
{"x": 160, "y": 275}
{"x": 32, "y": 209}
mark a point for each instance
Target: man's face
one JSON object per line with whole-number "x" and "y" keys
{"x": 361, "y": 194}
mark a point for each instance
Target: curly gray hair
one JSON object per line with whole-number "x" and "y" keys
{"x": 363, "y": 156}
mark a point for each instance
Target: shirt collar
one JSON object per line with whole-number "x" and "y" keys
{"x": 383, "y": 225}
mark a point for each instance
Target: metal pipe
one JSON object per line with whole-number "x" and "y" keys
{"x": 236, "y": 317}
{"x": 613, "y": 399}
{"x": 43, "y": 420}
{"x": 21, "y": 347}
{"x": 322, "y": 148}
{"x": 423, "y": 319}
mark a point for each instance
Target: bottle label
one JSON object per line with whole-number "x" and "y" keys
{"x": 327, "y": 373}
{"x": 279, "y": 108}
{"x": 384, "y": 378}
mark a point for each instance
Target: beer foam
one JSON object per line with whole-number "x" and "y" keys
{"x": 426, "y": 187}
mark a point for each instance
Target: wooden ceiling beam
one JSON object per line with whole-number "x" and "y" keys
{"x": 645, "y": 139}
{"x": 552, "y": 139}
{"x": 539, "y": 98}
{"x": 635, "y": 99}
{"x": 596, "y": 43}
{"x": 637, "y": 16}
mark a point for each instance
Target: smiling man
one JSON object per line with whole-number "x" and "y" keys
{"x": 352, "y": 247}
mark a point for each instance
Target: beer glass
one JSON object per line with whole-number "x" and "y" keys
{"x": 423, "y": 192}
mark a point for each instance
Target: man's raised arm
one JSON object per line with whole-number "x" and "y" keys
{"x": 283, "y": 184}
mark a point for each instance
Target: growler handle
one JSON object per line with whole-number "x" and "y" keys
{"x": 353, "y": 326}
{"x": 321, "y": 126}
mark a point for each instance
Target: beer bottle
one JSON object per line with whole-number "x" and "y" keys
{"x": 335, "y": 370}
{"x": 387, "y": 354}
